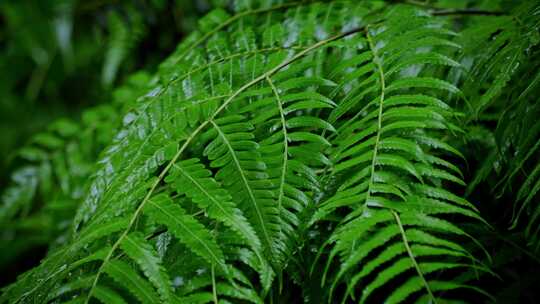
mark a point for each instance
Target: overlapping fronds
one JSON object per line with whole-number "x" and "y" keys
{"x": 300, "y": 142}
{"x": 501, "y": 85}
{"x": 390, "y": 163}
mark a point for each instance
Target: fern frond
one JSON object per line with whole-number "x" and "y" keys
{"x": 186, "y": 228}
{"x": 499, "y": 85}
{"x": 191, "y": 178}
{"x": 139, "y": 250}
{"x": 241, "y": 170}
{"x": 270, "y": 133}
{"x": 387, "y": 173}
{"x": 123, "y": 274}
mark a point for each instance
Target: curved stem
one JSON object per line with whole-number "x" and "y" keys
{"x": 214, "y": 290}
{"x": 285, "y": 142}
{"x": 284, "y": 165}
{"x": 266, "y": 235}
{"x": 411, "y": 255}
{"x": 378, "y": 64}
{"x": 469, "y": 11}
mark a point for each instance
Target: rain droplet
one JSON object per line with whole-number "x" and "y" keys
{"x": 200, "y": 271}
{"x": 178, "y": 281}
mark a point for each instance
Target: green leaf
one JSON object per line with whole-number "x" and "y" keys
{"x": 193, "y": 179}
{"x": 422, "y": 82}
{"x": 186, "y": 229}
{"x": 124, "y": 275}
{"x": 107, "y": 296}
{"x": 139, "y": 250}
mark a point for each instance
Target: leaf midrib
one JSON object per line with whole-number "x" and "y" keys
{"x": 245, "y": 181}
{"x": 207, "y": 194}
{"x": 188, "y": 230}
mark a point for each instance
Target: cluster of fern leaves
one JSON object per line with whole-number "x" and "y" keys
{"x": 288, "y": 152}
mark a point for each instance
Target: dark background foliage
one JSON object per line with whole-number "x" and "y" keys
{"x": 61, "y": 57}
{"x": 58, "y": 57}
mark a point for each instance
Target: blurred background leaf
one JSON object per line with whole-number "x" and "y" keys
{"x": 58, "y": 57}
{"x": 68, "y": 69}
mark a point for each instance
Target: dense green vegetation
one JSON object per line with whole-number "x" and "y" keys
{"x": 284, "y": 152}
